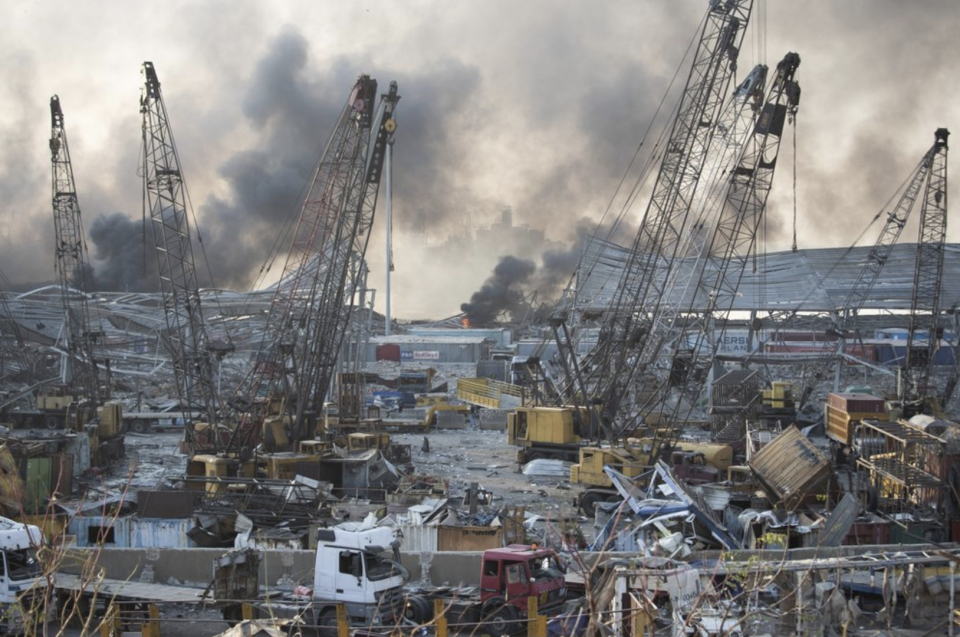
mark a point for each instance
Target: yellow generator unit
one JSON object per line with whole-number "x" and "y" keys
{"x": 549, "y": 425}
{"x": 362, "y": 441}
{"x": 213, "y": 468}
{"x": 315, "y": 447}
{"x": 589, "y": 470}
{"x": 283, "y": 466}
{"x": 110, "y": 419}
{"x": 714, "y": 454}
{"x": 55, "y": 397}
{"x": 779, "y": 396}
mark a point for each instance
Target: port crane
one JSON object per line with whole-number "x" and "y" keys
{"x": 726, "y": 256}
{"x": 84, "y": 355}
{"x": 186, "y": 336}
{"x": 315, "y": 296}
{"x": 872, "y": 266}
{"x": 928, "y": 273}
{"x": 600, "y": 394}
{"x": 635, "y": 329}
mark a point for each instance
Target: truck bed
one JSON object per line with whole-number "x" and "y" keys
{"x": 128, "y": 589}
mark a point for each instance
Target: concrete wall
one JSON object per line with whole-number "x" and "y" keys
{"x": 194, "y": 566}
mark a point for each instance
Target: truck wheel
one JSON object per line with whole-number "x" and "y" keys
{"x": 587, "y": 502}
{"x": 417, "y": 609}
{"x": 327, "y": 623}
{"x": 503, "y": 620}
{"x": 51, "y": 422}
{"x": 139, "y": 427}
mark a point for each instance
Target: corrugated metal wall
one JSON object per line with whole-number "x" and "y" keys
{"x": 132, "y": 532}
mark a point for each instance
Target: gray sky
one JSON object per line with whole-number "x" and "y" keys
{"x": 535, "y": 105}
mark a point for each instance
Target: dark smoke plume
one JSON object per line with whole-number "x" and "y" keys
{"x": 127, "y": 254}
{"x": 502, "y": 292}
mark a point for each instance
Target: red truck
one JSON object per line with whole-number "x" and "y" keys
{"x": 509, "y": 576}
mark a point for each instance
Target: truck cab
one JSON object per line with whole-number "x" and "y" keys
{"x": 517, "y": 572}
{"x": 21, "y": 578}
{"x": 353, "y": 567}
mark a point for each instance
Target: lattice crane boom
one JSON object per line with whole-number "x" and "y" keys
{"x": 928, "y": 274}
{"x": 186, "y": 334}
{"x": 628, "y": 344}
{"x": 869, "y": 272}
{"x": 314, "y": 298}
{"x": 732, "y": 240}
{"x": 84, "y": 353}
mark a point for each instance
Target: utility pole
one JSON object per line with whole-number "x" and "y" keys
{"x": 389, "y": 171}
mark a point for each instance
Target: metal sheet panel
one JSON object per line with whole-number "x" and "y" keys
{"x": 93, "y": 530}
{"x": 816, "y": 280}
{"x": 165, "y": 504}
{"x": 160, "y": 533}
{"x": 840, "y": 522}
{"x": 418, "y": 538}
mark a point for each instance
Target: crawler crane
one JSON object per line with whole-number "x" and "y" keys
{"x": 79, "y": 400}
{"x": 311, "y": 309}
{"x": 193, "y": 353}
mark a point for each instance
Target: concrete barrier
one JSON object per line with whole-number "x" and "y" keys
{"x": 194, "y": 566}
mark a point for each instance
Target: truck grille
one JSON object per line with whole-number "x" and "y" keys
{"x": 390, "y": 604}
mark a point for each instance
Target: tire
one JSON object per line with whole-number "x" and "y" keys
{"x": 327, "y": 623}
{"x": 52, "y": 422}
{"x": 232, "y": 614}
{"x": 587, "y": 502}
{"x": 139, "y": 426}
{"x": 536, "y": 455}
{"x": 502, "y": 621}
{"x": 417, "y": 609}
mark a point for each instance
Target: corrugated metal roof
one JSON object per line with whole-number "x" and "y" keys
{"x": 815, "y": 280}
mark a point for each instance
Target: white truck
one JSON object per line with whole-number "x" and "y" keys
{"x": 356, "y": 568}
{"x": 23, "y": 600}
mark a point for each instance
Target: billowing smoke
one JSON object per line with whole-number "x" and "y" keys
{"x": 502, "y": 293}
{"x": 293, "y": 108}
{"x": 129, "y": 264}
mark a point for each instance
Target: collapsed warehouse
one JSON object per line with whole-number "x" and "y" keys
{"x": 743, "y": 443}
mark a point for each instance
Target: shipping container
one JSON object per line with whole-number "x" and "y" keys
{"x": 790, "y": 467}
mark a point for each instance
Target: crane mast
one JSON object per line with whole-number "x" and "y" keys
{"x": 314, "y": 298}
{"x": 870, "y": 271}
{"x": 632, "y": 333}
{"x": 83, "y": 343}
{"x": 925, "y": 305}
{"x": 164, "y": 193}
{"x": 734, "y": 235}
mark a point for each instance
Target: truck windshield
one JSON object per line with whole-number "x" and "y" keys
{"x": 545, "y": 567}
{"x": 22, "y": 564}
{"x": 378, "y": 567}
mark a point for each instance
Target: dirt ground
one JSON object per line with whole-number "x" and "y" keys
{"x": 460, "y": 456}
{"x": 483, "y": 456}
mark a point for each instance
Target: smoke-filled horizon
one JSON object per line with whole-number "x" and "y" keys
{"x": 537, "y": 107}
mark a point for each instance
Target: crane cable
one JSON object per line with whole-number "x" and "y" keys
{"x": 794, "y": 246}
